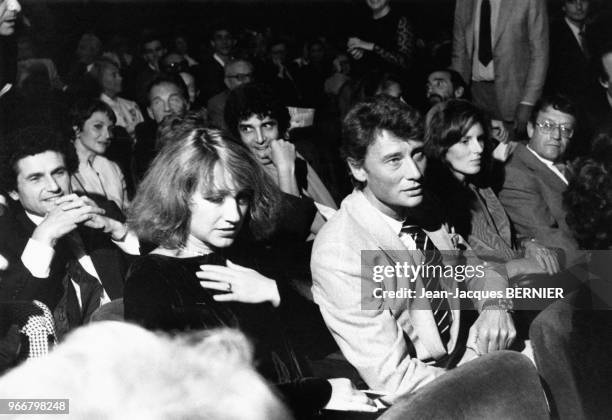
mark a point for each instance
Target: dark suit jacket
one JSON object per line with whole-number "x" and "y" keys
{"x": 532, "y": 195}
{"x": 568, "y": 72}
{"x": 17, "y": 283}
{"x": 211, "y": 78}
{"x": 216, "y": 107}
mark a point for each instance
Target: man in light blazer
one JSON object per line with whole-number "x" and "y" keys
{"x": 506, "y": 76}
{"x": 394, "y": 344}
{"x": 536, "y": 177}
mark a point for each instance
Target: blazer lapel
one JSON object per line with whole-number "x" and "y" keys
{"x": 544, "y": 173}
{"x": 469, "y": 30}
{"x": 505, "y": 11}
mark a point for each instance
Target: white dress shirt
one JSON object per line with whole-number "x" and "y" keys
{"x": 550, "y": 165}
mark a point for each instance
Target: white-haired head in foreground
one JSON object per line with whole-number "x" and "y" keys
{"x": 114, "y": 370}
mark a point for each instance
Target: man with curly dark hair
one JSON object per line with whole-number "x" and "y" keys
{"x": 58, "y": 245}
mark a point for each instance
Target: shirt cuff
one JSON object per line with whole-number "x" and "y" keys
{"x": 129, "y": 244}
{"x": 36, "y": 257}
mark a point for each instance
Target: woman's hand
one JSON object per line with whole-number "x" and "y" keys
{"x": 241, "y": 284}
{"x": 345, "y": 397}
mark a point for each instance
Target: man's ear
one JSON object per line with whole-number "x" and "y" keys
{"x": 14, "y": 195}
{"x": 357, "y": 170}
{"x": 459, "y": 92}
{"x": 150, "y": 113}
{"x": 604, "y": 83}
{"x": 530, "y": 129}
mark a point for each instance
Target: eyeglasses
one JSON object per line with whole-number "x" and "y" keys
{"x": 241, "y": 77}
{"x": 547, "y": 127}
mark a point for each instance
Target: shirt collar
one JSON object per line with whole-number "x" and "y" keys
{"x": 37, "y": 220}
{"x": 218, "y": 59}
{"x": 394, "y": 224}
{"x": 107, "y": 98}
{"x": 575, "y": 28}
{"x": 540, "y": 158}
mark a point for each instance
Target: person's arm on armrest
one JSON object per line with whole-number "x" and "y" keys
{"x": 371, "y": 340}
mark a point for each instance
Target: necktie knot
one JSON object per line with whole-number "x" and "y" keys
{"x": 417, "y": 234}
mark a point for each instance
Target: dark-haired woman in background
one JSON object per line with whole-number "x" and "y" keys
{"x": 458, "y": 143}
{"x": 199, "y": 192}
{"x": 93, "y": 122}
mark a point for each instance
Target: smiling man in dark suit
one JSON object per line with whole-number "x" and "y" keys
{"x": 536, "y": 176}
{"x": 59, "y": 246}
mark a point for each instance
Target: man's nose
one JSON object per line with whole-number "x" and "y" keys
{"x": 411, "y": 169}
{"x": 556, "y": 132}
{"x": 260, "y": 136}
{"x": 51, "y": 184}
{"x": 14, "y": 6}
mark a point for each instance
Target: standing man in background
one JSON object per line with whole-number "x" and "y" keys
{"x": 501, "y": 48}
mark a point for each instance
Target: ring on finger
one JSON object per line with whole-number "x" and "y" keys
{"x": 229, "y": 286}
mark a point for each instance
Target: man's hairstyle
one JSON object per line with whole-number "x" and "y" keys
{"x": 558, "y": 102}
{"x": 254, "y": 99}
{"x": 456, "y": 78}
{"x": 448, "y": 122}
{"x": 176, "y": 67}
{"x": 142, "y": 374}
{"x": 167, "y": 78}
{"x": 30, "y": 141}
{"x": 588, "y": 197}
{"x": 160, "y": 212}
{"x": 238, "y": 60}
{"x": 366, "y": 120}
{"x": 99, "y": 65}
{"x": 84, "y": 108}
{"x": 147, "y": 37}
{"x": 219, "y": 25}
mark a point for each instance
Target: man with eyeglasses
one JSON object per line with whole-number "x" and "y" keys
{"x": 536, "y": 177}
{"x": 237, "y": 73}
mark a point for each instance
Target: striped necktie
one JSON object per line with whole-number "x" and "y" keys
{"x": 433, "y": 257}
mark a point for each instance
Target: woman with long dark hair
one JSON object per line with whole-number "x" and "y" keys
{"x": 461, "y": 173}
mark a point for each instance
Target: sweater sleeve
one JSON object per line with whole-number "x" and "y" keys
{"x": 405, "y": 44}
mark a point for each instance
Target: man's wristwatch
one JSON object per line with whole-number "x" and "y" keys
{"x": 500, "y": 303}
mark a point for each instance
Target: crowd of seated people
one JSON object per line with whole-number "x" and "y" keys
{"x": 278, "y": 186}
